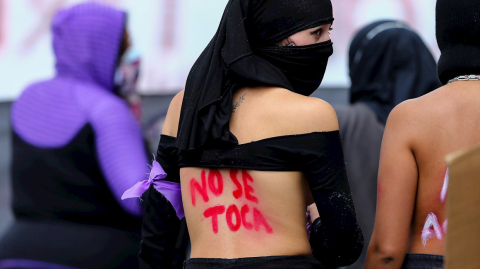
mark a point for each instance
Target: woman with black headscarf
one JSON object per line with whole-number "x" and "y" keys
{"x": 244, "y": 139}
{"x": 389, "y": 63}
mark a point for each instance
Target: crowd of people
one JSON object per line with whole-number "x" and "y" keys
{"x": 250, "y": 171}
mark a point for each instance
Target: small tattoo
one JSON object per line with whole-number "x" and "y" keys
{"x": 240, "y": 101}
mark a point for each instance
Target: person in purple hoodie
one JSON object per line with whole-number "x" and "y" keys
{"x": 76, "y": 147}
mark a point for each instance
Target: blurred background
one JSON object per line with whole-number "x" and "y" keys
{"x": 168, "y": 36}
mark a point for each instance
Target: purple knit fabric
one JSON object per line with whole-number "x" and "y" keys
{"x": 22, "y": 263}
{"x": 48, "y": 114}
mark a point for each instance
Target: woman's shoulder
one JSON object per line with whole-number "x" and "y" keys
{"x": 305, "y": 114}
{"x": 427, "y": 105}
{"x": 418, "y": 113}
{"x": 287, "y": 112}
{"x": 170, "y": 126}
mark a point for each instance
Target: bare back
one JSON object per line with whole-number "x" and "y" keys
{"x": 450, "y": 123}
{"x": 234, "y": 213}
{"x": 413, "y": 179}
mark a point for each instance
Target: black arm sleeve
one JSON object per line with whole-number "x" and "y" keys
{"x": 336, "y": 238}
{"x": 161, "y": 226}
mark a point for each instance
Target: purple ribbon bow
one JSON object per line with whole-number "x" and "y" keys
{"x": 170, "y": 190}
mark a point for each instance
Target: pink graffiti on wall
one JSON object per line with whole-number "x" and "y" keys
{"x": 169, "y": 27}
{"x": 3, "y": 23}
{"x": 407, "y": 5}
{"x": 346, "y": 18}
{"x": 45, "y": 11}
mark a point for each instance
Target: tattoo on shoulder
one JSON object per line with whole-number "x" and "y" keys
{"x": 239, "y": 102}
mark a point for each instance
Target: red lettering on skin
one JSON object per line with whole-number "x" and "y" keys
{"x": 248, "y": 225}
{"x": 380, "y": 191}
{"x": 230, "y": 211}
{"x": 217, "y": 190}
{"x": 194, "y": 185}
{"x": 259, "y": 220}
{"x": 238, "y": 192}
{"x": 248, "y": 189}
{"x": 214, "y": 212}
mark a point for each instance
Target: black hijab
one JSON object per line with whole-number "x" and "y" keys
{"x": 243, "y": 53}
{"x": 389, "y": 63}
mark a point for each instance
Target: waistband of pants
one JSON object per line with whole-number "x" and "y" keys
{"x": 422, "y": 261}
{"x": 267, "y": 262}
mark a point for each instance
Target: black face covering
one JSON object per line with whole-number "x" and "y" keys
{"x": 303, "y": 66}
{"x": 458, "y": 36}
{"x": 239, "y": 56}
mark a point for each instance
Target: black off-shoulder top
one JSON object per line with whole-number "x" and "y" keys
{"x": 336, "y": 237}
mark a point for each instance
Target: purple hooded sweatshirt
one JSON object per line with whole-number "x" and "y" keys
{"x": 49, "y": 114}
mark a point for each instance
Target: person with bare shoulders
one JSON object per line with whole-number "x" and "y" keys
{"x": 388, "y": 63}
{"x": 251, "y": 150}
{"x": 411, "y": 224}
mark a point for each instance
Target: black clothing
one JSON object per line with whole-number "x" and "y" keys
{"x": 60, "y": 194}
{"x": 458, "y": 37}
{"x": 63, "y": 243}
{"x": 422, "y": 261}
{"x": 272, "y": 262}
{"x": 232, "y": 60}
{"x": 72, "y": 187}
{"x": 336, "y": 238}
{"x": 362, "y": 139}
{"x": 388, "y": 64}
{"x": 304, "y": 66}
{"x": 164, "y": 236}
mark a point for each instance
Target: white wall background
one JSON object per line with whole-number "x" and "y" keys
{"x": 170, "y": 34}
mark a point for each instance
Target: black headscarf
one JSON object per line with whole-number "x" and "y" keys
{"x": 389, "y": 63}
{"x": 458, "y": 36}
{"x": 243, "y": 53}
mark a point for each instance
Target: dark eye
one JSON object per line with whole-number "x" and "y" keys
{"x": 318, "y": 32}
